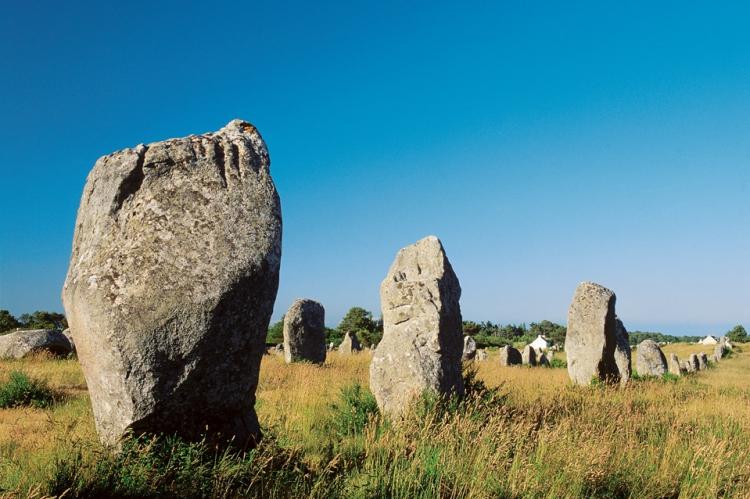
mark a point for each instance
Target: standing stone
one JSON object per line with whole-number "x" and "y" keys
{"x": 171, "y": 284}
{"x": 422, "y": 340}
{"x": 650, "y": 360}
{"x": 719, "y": 351}
{"x": 481, "y": 355}
{"x": 694, "y": 362}
{"x": 592, "y": 336}
{"x": 470, "y": 348}
{"x": 20, "y": 344}
{"x": 509, "y": 356}
{"x": 528, "y": 356}
{"x": 541, "y": 359}
{"x": 622, "y": 352}
{"x": 702, "y": 361}
{"x": 674, "y": 365}
{"x": 350, "y": 344}
{"x": 305, "y": 332}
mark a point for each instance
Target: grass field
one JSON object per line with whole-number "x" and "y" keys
{"x": 522, "y": 432}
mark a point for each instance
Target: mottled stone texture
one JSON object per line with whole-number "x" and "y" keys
{"x": 19, "y": 344}
{"x": 470, "y": 348}
{"x": 650, "y": 360}
{"x": 350, "y": 344}
{"x": 510, "y": 356}
{"x": 171, "y": 284}
{"x": 305, "y": 332}
{"x": 481, "y": 355}
{"x": 592, "y": 336}
{"x": 422, "y": 340}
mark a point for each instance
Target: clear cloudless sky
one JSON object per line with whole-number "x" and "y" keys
{"x": 545, "y": 143}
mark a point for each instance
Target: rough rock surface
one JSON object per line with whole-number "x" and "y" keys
{"x": 720, "y": 351}
{"x": 674, "y": 365}
{"x": 481, "y": 355}
{"x": 422, "y": 340}
{"x": 470, "y": 348}
{"x": 305, "y": 332}
{"x": 528, "y": 356}
{"x": 622, "y": 352}
{"x": 592, "y": 336}
{"x": 694, "y": 362}
{"x": 172, "y": 281}
{"x": 650, "y": 360}
{"x": 702, "y": 361}
{"x": 350, "y": 344}
{"x": 19, "y": 344}
{"x": 510, "y": 356}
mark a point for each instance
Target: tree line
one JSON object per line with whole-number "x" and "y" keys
{"x": 41, "y": 319}
{"x": 369, "y": 330}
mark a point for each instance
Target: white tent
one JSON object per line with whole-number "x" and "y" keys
{"x": 708, "y": 340}
{"x": 540, "y": 343}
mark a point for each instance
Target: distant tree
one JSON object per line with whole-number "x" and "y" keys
{"x": 42, "y": 319}
{"x": 471, "y": 328}
{"x": 8, "y": 322}
{"x": 275, "y": 333}
{"x": 737, "y": 333}
{"x": 358, "y": 320}
{"x": 553, "y": 332}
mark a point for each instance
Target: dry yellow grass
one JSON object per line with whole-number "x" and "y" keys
{"x": 545, "y": 438}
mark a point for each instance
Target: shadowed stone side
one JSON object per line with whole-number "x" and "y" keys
{"x": 510, "y": 356}
{"x": 171, "y": 284}
{"x": 591, "y": 338}
{"x": 305, "y": 332}
{"x": 694, "y": 363}
{"x": 528, "y": 356}
{"x": 422, "y": 340}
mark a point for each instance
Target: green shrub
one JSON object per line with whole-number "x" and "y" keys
{"x": 22, "y": 391}
{"x": 558, "y": 363}
{"x": 352, "y": 411}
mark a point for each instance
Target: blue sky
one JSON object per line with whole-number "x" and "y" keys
{"x": 545, "y": 144}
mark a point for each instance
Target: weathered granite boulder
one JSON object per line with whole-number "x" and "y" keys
{"x": 694, "y": 362}
{"x": 171, "y": 284}
{"x": 305, "y": 332}
{"x": 470, "y": 348}
{"x": 674, "y": 365}
{"x": 622, "y": 352}
{"x": 528, "y": 356}
{"x": 481, "y": 355}
{"x": 720, "y": 351}
{"x": 510, "y": 356}
{"x": 350, "y": 344}
{"x": 702, "y": 361}
{"x": 19, "y": 344}
{"x": 422, "y": 340}
{"x": 593, "y": 337}
{"x": 650, "y": 360}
